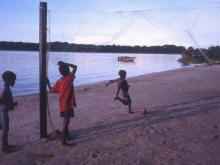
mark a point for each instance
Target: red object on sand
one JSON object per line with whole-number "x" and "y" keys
{"x": 143, "y": 111}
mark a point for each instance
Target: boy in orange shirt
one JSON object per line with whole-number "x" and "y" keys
{"x": 64, "y": 86}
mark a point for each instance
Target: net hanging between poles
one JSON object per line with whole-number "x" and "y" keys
{"x": 47, "y": 63}
{"x": 150, "y": 15}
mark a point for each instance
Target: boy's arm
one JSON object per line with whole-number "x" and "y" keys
{"x": 74, "y": 67}
{"x": 14, "y": 104}
{"x": 48, "y": 83}
{"x": 111, "y": 81}
{"x": 55, "y": 88}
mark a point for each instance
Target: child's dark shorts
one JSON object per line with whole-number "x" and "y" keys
{"x": 127, "y": 97}
{"x": 67, "y": 114}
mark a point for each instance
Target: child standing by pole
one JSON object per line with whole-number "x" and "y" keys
{"x": 6, "y": 104}
{"x": 64, "y": 86}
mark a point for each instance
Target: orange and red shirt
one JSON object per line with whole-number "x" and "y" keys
{"x": 64, "y": 86}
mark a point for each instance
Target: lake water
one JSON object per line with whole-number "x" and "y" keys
{"x": 92, "y": 67}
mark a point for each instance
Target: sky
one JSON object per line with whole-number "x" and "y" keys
{"x": 120, "y": 22}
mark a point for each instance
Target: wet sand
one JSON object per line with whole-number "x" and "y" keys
{"x": 182, "y": 125}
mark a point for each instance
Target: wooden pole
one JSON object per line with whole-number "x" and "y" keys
{"x": 42, "y": 68}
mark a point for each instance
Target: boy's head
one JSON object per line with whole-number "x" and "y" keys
{"x": 122, "y": 73}
{"x": 9, "y": 78}
{"x": 64, "y": 69}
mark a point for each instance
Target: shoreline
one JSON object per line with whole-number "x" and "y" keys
{"x": 181, "y": 126}
{"x": 130, "y": 78}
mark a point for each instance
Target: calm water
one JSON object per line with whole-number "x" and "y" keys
{"x": 92, "y": 67}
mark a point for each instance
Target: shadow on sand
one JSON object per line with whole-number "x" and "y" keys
{"x": 158, "y": 115}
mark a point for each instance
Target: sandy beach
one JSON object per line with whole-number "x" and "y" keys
{"x": 182, "y": 125}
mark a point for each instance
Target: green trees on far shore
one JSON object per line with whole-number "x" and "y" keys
{"x": 71, "y": 47}
{"x": 196, "y": 56}
{"x": 189, "y": 55}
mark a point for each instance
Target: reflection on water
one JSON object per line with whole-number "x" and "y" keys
{"x": 92, "y": 67}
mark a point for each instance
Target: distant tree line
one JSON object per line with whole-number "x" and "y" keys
{"x": 18, "y": 46}
{"x": 71, "y": 47}
{"x": 191, "y": 55}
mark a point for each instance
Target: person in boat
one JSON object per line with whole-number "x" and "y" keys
{"x": 126, "y": 58}
{"x": 123, "y": 87}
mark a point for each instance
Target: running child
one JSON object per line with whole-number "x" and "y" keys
{"x": 123, "y": 87}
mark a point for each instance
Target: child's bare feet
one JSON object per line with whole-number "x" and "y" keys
{"x": 116, "y": 98}
{"x": 7, "y": 150}
{"x": 69, "y": 138}
{"x": 68, "y": 144}
{"x": 12, "y": 146}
